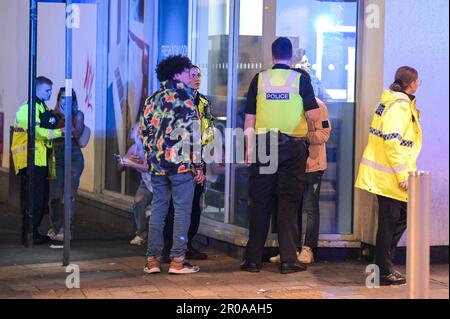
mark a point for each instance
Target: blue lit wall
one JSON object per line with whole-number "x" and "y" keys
{"x": 173, "y": 27}
{"x": 417, "y": 34}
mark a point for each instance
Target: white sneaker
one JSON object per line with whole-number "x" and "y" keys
{"x": 306, "y": 256}
{"x": 59, "y": 237}
{"x": 51, "y": 233}
{"x": 276, "y": 259}
{"x": 137, "y": 241}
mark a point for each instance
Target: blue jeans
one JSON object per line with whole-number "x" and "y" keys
{"x": 139, "y": 208}
{"x": 310, "y": 207}
{"x": 57, "y": 185}
{"x": 181, "y": 188}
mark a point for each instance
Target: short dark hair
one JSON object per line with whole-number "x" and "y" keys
{"x": 43, "y": 80}
{"x": 172, "y": 65}
{"x": 282, "y": 49}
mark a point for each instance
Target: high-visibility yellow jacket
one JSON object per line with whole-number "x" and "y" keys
{"x": 279, "y": 105}
{"x": 395, "y": 141}
{"x": 20, "y": 138}
{"x": 207, "y": 120}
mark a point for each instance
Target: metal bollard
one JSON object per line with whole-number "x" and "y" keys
{"x": 418, "y": 251}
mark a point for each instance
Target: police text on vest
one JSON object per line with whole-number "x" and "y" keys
{"x": 277, "y": 96}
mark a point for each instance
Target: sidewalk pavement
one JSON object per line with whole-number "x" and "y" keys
{"x": 219, "y": 277}
{"x": 111, "y": 268}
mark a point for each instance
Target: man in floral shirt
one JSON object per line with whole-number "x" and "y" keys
{"x": 166, "y": 128}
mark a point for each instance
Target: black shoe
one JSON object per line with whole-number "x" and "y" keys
{"x": 24, "y": 241}
{"x": 39, "y": 239}
{"x": 287, "y": 268}
{"x": 394, "y": 278}
{"x": 250, "y": 267}
{"x": 193, "y": 253}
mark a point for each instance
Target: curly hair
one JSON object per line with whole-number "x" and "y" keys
{"x": 172, "y": 65}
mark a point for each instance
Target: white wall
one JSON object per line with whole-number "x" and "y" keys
{"x": 14, "y": 24}
{"x": 369, "y": 85}
{"x": 417, "y": 34}
{"x": 13, "y": 70}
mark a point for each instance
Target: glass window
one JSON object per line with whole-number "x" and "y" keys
{"x": 323, "y": 34}
{"x": 250, "y": 62}
{"x": 212, "y": 57}
{"x": 128, "y": 82}
{"x": 326, "y": 31}
{"x": 324, "y": 40}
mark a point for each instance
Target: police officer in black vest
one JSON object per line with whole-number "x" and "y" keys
{"x": 279, "y": 101}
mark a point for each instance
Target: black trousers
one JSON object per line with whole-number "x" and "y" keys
{"x": 278, "y": 193}
{"x": 391, "y": 226}
{"x": 310, "y": 206}
{"x": 195, "y": 220}
{"x": 40, "y": 197}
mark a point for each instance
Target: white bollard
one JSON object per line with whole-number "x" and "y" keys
{"x": 418, "y": 230}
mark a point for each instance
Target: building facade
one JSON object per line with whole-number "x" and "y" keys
{"x": 354, "y": 48}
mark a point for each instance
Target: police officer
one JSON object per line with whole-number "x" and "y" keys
{"x": 46, "y": 131}
{"x": 395, "y": 142}
{"x": 279, "y": 100}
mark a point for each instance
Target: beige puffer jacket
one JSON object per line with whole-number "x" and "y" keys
{"x": 318, "y": 135}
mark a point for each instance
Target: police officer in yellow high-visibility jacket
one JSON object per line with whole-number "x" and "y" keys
{"x": 395, "y": 140}
{"x": 279, "y": 100}
{"x": 44, "y": 134}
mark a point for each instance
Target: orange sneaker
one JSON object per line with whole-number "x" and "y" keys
{"x": 153, "y": 265}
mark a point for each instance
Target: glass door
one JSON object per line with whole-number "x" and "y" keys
{"x": 211, "y": 55}
{"x": 324, "y": 33}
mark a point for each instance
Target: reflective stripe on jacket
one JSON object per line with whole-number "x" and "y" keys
{"x": 19, "y": 143}
{"x": 279, "y": 105}
{"x": 395, "y": 141}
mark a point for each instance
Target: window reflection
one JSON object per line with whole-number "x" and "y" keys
{"x": 128, "y": 78}
{"x": 323, "y": 33}
{"x": 212, "y": 58}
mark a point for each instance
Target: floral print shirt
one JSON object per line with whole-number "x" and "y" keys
{"x": 168, "y": 112}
